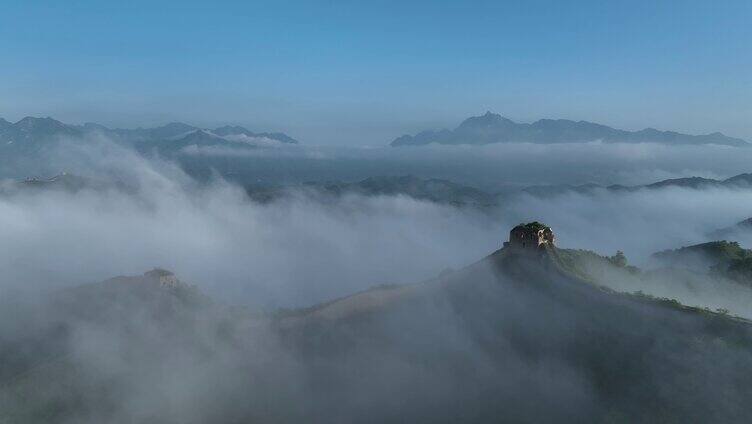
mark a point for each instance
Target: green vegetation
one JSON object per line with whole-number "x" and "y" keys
{"x": 740, "y": 270}
{"x": 721, "y": 252}
{"x": 590, "y": 267}
{"x": 535, "y": 226}
{"x": 723, "y": 258}
{"x": 585, "y": 263}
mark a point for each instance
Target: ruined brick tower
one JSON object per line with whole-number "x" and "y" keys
{"x": 165, "y": 278}
{"x": 531, "y": 236}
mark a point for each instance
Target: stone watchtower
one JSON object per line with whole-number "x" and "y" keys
{"x": 165, "y": 278}
{"x": 531, "y": 236}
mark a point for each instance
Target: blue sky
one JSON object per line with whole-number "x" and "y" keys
{"x": 365, "y": 72}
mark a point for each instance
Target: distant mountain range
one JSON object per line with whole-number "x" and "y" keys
{"x": 432, "y": 190}
{"x": 31, "y": 134}
{"x": 452, "y": 193}
{"x": 494, "y": 128}
{"x": 734, "y": 231}
{"x": 427, "y": 189}
{"x": 737, "y": 181}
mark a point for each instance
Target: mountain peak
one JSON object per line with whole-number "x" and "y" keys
{"x": 31, "y": 122}
{"x": 232, "y": 130}
{"x": 488, "y": 118}
{"x": 177, "y": 126}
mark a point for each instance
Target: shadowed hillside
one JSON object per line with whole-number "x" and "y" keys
{"x": 527, "y": 334}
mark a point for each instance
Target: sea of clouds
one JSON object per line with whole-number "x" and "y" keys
{"x": 305, "y": 248}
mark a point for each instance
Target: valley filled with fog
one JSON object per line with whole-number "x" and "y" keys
{"x": 193, "y": 214}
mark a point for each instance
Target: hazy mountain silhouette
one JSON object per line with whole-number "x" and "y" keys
{"x": 741, "y": 181}
{"x": 733, "y": 231}
{"x": 32, "y": 134}
{"x": 494, "y": 128}
{"x": 433, "y": 190}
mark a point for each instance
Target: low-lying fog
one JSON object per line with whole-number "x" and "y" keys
{"x": 493, "y": 167}
{"x": 304, "y": 249}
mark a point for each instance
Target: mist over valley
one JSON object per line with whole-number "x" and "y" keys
{"x": 375, "y": 212}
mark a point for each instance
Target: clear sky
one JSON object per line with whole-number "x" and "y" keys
{"x": 358, "y": 72}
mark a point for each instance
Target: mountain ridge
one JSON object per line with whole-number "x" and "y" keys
{"x": 33, "y": 132}
{"x": 493, "y": 128}
{"x": 740, "y": 181}
{"x": 491, "y": 337}
{"x": 742, "y": 226}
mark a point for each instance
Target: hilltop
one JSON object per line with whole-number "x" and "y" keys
{"x": 520, "y": 310}
{"x": 722, "y": 258}
{"x": 732, "y": 231}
